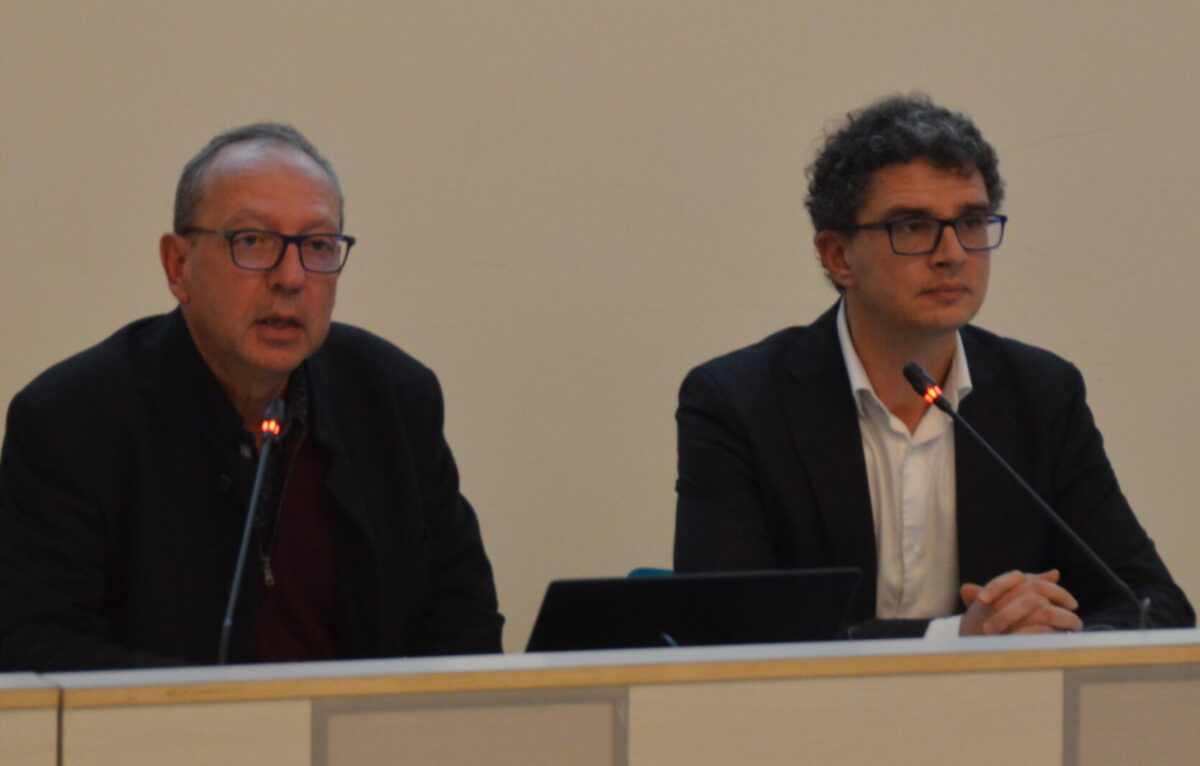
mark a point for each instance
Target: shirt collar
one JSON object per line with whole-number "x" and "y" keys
{"x": 958, "y": 382}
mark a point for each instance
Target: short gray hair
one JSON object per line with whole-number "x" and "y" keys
{"x": 191, "y": 183}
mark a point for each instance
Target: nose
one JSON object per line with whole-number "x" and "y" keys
{"x": 949, "y": 251}
{"x": 289, "y": 275}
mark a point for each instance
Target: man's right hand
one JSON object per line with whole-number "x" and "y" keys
{"x": 1019, "y": 602}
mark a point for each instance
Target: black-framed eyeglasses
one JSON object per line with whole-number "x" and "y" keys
{"x": 263, "y": 250}
{"x": 921, "y": 236}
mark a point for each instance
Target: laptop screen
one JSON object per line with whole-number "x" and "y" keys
{"x": 766, "y": 606}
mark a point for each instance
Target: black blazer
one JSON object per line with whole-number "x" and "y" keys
{"x": 122, "y": 500}
{"x": 772, "y": 474}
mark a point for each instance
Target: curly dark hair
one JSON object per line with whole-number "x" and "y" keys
{"x": 191, "y": 181}
{"x": 895, "y": 129}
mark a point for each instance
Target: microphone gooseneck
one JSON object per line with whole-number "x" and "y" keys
{"x": 272, "y": 426}
{"x": 924, "y": 384}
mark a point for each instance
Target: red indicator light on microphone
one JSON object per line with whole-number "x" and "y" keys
{"x": 933, "y": 393}
{"x": 271, "y": 427}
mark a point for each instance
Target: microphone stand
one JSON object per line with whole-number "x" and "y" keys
{"x": 272, "y": 425}
{"x": 931, "y": 392}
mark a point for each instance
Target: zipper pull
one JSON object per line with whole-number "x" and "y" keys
{"x": 268, "y": 575}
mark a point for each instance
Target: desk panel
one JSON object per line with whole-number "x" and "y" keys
{"x": 1133, "y": 715}
{"x": 913, "y": 719}
{"x": 576, "y": 727}
{"x": 253, "y": 733}
{"x": 28, "y": 720}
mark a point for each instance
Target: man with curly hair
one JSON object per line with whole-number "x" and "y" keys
{"x": 811, "y": 449}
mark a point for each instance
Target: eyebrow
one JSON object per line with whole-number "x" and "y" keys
{"x": 247, "y": 220}
{"x": 900, "y": 212}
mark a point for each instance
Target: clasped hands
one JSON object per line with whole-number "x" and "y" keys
{"x": 1019, "y": 602}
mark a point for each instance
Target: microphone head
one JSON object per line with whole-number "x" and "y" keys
{"x": 272, "y": 422}
{"x": 924, "y": 384}
{"x": 920, "y": 380}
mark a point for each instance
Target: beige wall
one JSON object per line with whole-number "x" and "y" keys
{"x": 563, "y": 206}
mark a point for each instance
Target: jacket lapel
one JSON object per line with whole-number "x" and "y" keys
{"x": 340, "y": 480}
{"x": 819, "y": 409}
{"x": 986, "y": 495}
{"x": 360, "y": 631}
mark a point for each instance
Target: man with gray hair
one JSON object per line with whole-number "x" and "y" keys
{"x": 126, "y": 470}
{"x": 811, "y": 449}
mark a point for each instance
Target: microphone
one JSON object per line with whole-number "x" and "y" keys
{"x": 272, "y": 425}
{"x": 930, "y": 391}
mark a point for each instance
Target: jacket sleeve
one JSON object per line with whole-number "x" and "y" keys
{"x": 460, "y": 614}
{"x": 720, "y": 519}
{"x": 1086, "y": 494}
{"x": 53, "y": 551}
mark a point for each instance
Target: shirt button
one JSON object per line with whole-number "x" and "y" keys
{"x": 246, "y": 451}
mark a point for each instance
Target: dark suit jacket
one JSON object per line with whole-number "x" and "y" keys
{"x": 772, "y": 475}
{"x": 121, "y": 508}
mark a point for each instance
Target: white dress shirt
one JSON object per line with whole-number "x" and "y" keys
{"x": 911, "y": 483}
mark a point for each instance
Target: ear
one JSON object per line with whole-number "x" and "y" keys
{"x": 173, "y": 251}
{"x": 831, "y": 249}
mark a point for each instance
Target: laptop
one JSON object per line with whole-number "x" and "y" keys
{"x": 763, "y": 606}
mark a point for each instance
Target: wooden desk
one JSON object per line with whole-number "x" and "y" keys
{"x": 1089, "y": 699}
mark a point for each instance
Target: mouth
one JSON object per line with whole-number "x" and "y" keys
{"x": 946, "y": 291}
{"x": 280, "y": 328}
{"x": 279, "y": 322}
